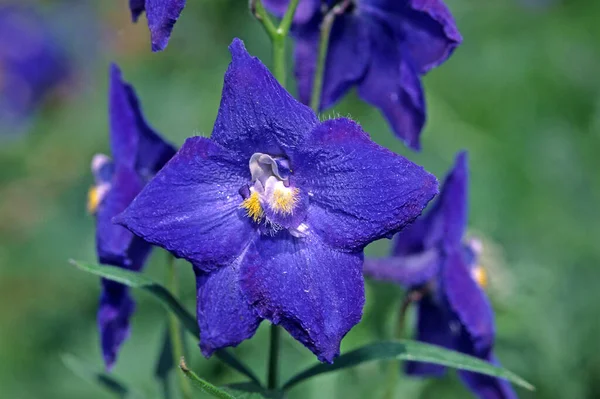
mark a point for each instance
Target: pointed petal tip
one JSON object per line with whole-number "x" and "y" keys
{"x": 238, "y": 51}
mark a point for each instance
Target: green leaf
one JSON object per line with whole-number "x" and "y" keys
{"x": 203, "y": 384}
{"x": 408, "y": 350}
{"x": 138, "y": 280}
{"x": 104, "y": 380}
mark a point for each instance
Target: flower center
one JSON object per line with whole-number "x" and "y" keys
{"x": 270, "y": 194}
{"x": 103, "y": 169}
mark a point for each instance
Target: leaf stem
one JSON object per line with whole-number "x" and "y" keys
{"x": 175, "y": 328}
{"x": 326, "y": 25}
{"x": 273, "y": 369}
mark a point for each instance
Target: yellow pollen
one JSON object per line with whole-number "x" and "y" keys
{"x": 93, "y": 199}
{"x": 480, "y": 276}
{"x": 285, "y": 200}
{"x": 253, "y": 207}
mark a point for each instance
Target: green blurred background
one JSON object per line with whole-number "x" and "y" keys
{"x": 522, "y": 94}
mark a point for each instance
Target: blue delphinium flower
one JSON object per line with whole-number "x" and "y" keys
{"x": 161, "y": 16}
{"x": 274, "y": 211}
{"x": 431, "y": 260}
{"x": 382, "y": 47}
{"x": 32, "y": 65}
{"x": 138, "y": 153}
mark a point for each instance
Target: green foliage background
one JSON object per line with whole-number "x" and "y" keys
{"x": 522, "y": 94}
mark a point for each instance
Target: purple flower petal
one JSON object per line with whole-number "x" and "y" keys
{"x": 408, "y": 271}
{"x": 347, "y": 58}
{"x": 133, "y": 142}
{"x": 451, "y": 206}
{"x": 256, "y": 113}
{"x": 136, "y": 7}
{"x": 486, "y": 387}
{"x": 433, "y": 327}
{"x": 115, "y": 244}
{"x": 359, "y": 191}
{"x": 393, "y": 85}
{"x": 304, "y": 12}
{"x": 192, "y": 206}
{"x": 224, "y": 315}
{"x": 426, "y": 27}
{"x": 114, "y": 312}
{"x": 469, "y": 302}
{"x": 316, "y": 293}
{"x": 162, "y": 15}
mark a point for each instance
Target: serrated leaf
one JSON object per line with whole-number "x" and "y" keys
{"x": 100, "y": 378}
{"x": 138, "y": 280}
{"x": 408, "y": 350}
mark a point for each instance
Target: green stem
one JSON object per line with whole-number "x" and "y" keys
{"x": 278, "y": 35}
{"x": 273, "y": 370}
{"x": 175, "y": 328}
{"x": 394, "y": 367}
{"x": 326, "y": 25}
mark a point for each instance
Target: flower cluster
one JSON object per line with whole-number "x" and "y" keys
{"x": 274, "y": 210}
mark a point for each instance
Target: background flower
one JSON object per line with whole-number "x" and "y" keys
{"x": 443, "y": 275}
{"x": 382, "y": 47}
{"x": 33, "y": 64}
{"x": 138, "y": 153}
{"x": 161, "y": 16}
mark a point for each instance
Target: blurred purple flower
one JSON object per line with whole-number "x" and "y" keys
{"x": 274, "y": 211}
{"x": 431, "y": 261}
{"x": 161, "y": 16}
{"x": 138, "y": 153}
{"x": 383, "y": 47}
{"x": 32, "y": 64}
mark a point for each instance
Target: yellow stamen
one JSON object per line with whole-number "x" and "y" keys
{"x": 285, "y": 200}
{"x": 480, "y": 276}
{"x": 253, "y": 207}
{"x": 93, "y": 199}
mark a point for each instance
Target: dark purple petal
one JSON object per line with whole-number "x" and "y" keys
{"x": 358, "y": 190}
{"x": 469, "y": 302}
{"x": 316, "y": 293}
{"x": 136, "y": 7}
{"x": 426, "y": 28}
{"x": 393, "y": 85}
{"x": 224, "y": 315}
{"x": 415, "y": 238}
{"x": 408, "y": 271}
{"x": 304, "y": 12}
{"x": 115, "y": 244}
{"x": 192, "y": 206}
{"x": 114, "y": 312}
{"x": 162, "y": 15}
{"x": 451, "y": 206}
{"x": 256, "y": 113}
{"x": 486, "y": 387}
{"x": 433, "y": 327}
{"x": 347, "y": 58}
{"x": 133, "y": 142}
{"x": 446, "y": 222}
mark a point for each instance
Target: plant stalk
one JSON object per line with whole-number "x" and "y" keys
{"x": 326, "y": 25}
{"x": 175, "y": 329}
{"x": 273, "y": 367}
